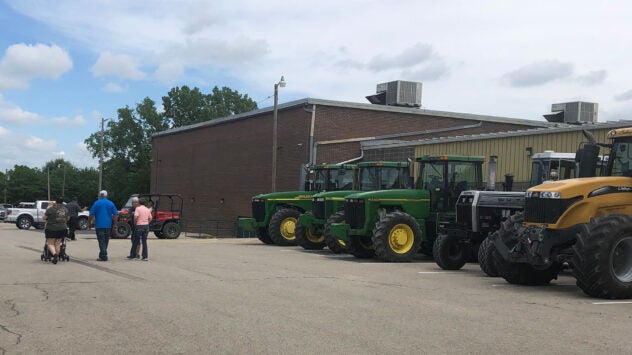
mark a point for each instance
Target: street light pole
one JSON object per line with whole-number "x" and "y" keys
{"x": 281, "y": 83}
{"x": 101, "y": 157}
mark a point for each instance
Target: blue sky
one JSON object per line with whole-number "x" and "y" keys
{"x": 65, "y": 64}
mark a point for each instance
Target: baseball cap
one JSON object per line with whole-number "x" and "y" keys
{"x": 103, "y": 193}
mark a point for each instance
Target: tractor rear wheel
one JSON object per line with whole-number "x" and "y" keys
{"x": 396, "y": 237}
{"x": 450, "y": 252}
{"x": 486, "y": 259}
{"x": 602, "y": 260}
{"x": 309, "y": 238}
{"x": 264, "y": 236}
{"x": 361, "y": 247}
{"x": 334, "y": 244}
{"x": 283, "y": 226}
{"x": 511, "y": 232}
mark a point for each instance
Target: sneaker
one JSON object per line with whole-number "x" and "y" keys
{"x": 132, "y": 258}
{"x": 145, "y": 259}
{"x": 55, "y": 259}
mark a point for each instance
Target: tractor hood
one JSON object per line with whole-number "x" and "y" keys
{"x": 341, "y": 193}
{"x": 585, "y": 187}
{"x": 390, "y": 194}
{"x": 286, "y": 195}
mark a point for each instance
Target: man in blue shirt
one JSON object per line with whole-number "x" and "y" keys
{"x": 106, "y": 216}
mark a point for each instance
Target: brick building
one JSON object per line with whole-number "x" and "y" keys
{"x": 217, "y": 166}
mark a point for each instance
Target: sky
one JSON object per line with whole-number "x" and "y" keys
{"x": 66, "y": 64}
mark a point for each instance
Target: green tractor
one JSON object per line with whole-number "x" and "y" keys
{"x": 274, "y": 215}
{"x": 396, "y": 224}
{"x": 312, "y": 228}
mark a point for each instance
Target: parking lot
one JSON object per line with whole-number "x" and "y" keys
{"x": 241, "y": 296}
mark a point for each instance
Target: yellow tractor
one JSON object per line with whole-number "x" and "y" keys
{"x": 584, "y": 222}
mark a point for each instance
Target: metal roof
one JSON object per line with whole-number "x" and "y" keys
{"x": 527, "y": 132}
{"x": 362, "y": 106}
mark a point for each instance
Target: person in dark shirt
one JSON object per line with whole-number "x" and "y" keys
{"x": 74, "y": 209}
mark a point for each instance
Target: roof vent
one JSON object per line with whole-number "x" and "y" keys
{"x": 397, "y": 93}
{"x": 577, "y": 112}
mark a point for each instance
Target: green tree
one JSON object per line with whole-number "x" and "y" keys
{"x": 127, "y": 139}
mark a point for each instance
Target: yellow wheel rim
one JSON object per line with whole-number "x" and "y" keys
{"x": 314, "y": 238}
{"x": 341, "y": 242}
{"x": 287, "y": 228}
{"x": 401, "y": 238}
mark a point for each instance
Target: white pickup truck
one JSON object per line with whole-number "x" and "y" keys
{"x": 27, "y": 214}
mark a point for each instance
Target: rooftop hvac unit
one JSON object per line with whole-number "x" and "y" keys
{"x": 577, "y": 112}
{"x": 397, "y": 93}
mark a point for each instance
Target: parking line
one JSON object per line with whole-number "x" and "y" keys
{"x": 613, "y": 302}
{"x": 436, "y": 272}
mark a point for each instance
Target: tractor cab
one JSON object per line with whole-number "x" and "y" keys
{"x": 445, "y": 177}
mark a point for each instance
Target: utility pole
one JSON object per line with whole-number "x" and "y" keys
{"x": 48, "y": 175}
{"x": 100, "y": 158}
{"x": 6, "y": 183}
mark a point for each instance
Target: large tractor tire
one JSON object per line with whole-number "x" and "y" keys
{"x": 396, "y": 237}
{"x": 24, "y": 222}
{"x": 361, "y": 247}
{"x": 309, "y": 238}
{"x": 121, "y": 231}
{"x": 264, "y": 236}
{"x": 171, "y": 230}
{"x": 511, "y": 231}
{"x": 486, "y": 259}
{"x": 602, "y": 261}
{"x": 283, "y": 225}
{"x": 334, "y": 244}
{"x": 450, "y": 252}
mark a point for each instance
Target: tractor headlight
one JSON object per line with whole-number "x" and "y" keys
{"x": 319, "y": 199}
{"x": 543, "y": 194}
{"x": 355, "y": 200}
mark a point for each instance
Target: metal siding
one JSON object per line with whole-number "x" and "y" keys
{"x": 511, "y": 150}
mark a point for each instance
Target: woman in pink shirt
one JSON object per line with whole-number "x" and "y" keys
{"x": 142, "y": 217}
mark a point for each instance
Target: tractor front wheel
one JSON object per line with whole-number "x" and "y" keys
{"x": 264, "y": 236}
{"x": 396, "y": 237}
{"x": 334, "y": 244}
{"x": 511, "y": 233}
{"x": 450, "y": 252}
{"x": 309, "y": 238}
{"x": 283, "y": 226}
{"x": 361, "y": 247}
{"x": 486, "y": 259}
{"x": 602, "y": 257}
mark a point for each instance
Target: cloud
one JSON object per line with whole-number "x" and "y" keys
{"x": 168, "y": 72}
{"x": 432, "y": 71}
{"x": 624, "y": 96}
{"x": 594, "y": 77}
{"x": 238, "y": 50}
{"x": 13, "y": 114}
{"x": 112, "y": 87}
{"x": 418, "y": 53}
{"x": 539, "y": 73}
{"x": 22, "y": 63}
{"x": 69, "y": 122}
{"x": 118, "y": 65}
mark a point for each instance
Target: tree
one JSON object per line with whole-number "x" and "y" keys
{"x": 127, "y": 140}
{"x": 183, "y": 106}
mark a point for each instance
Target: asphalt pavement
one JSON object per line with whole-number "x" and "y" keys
{"x": 239, "y": 296}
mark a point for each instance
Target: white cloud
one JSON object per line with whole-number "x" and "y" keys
{"x": 594, "y": 77}
{"x": 22, "y": 63}
{"x": 118, "y": 65}
{"x": 69, "y": 122}
{"x": 418, "y": 53}
{"x": 13, "y": 114}
{"x": 539, "y": 73}
{"x": 168, "y": 72}
{"x": 624, "y": 96}
{"x": 114, "y": 88}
